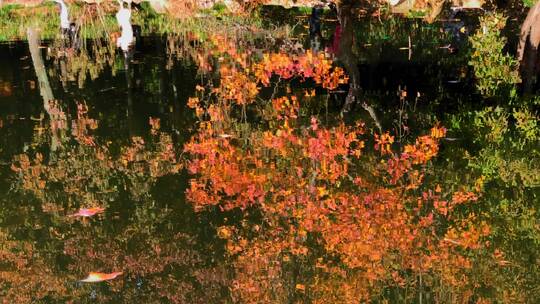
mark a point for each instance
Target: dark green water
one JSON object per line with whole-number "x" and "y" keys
{"x": 173, "y": 253}
{"x": 168, "y": 253}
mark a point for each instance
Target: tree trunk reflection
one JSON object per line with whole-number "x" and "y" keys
{"x": 55, "y": 114}
{"x": 528, "y": 48}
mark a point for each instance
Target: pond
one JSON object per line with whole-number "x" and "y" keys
{"x": 246, "y": 161}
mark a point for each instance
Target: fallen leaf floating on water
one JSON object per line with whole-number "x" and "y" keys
{"x": 94, "y": 277}
{"x": 87, "y": 212}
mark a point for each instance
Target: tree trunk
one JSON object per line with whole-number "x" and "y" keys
{"x": 528, "y": 48}
{"x": 350, "y": 61}
{"x": 346, "y": 55}
{"x": 39, "y": 67}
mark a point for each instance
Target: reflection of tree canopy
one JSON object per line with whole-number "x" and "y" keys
{"x": 496, "y": 72}
{"x": 500, "y": 155}
{"x": 75, "y": 65}
{"x": 308, "y": 209}
{"x": 75, "y": 57}
{"x": 86, "y": 172}
{"x": 162, "y": 259}
{"x": 325, "y": 219}
{"x": 165, "y": 268}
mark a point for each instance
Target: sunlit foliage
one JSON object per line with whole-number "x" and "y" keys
{"x": 495, "y": 71}
{"x": 285, "y": 205}
{"x": 358, "y": 221}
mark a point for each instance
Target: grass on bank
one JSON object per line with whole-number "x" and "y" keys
{"x": 98, "y": 20}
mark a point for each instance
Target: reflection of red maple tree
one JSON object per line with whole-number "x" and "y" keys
{"x": 314, "y": 186}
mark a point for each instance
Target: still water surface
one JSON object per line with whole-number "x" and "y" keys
{"x": 116, "y": 142}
